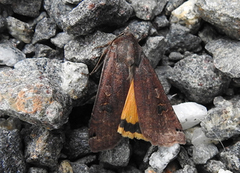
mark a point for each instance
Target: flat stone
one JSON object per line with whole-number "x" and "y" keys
{"x": 163, "y": 156}
{"x": 89, "y": 48}
{"x": 11, "y": 147}
{"x": 61, "y": 39}
{"x": 180, "y": 39}
{"x": 20, "y": 30}
{"x": 226, "y": 56}
{"x": 45, "y": 29}
{"x": 76, "y": 143}
{"x": 35, "y": 91}
{"x": 29, "y": 8}
{"x": 10, "y": 55}
{"x": 118, "y": 156}
{"x": 187, "y": 15}
{"x": 222, "y": 121}
{"x": 154, "y": 49}
{"x": 198, "y": 79}
{"x": 79, "y": 20}
{"x": 43, "y": 147}
{"x": 222, "y": 14}
{"x": 148, "y": 9}
{"x": 230, "y": 157}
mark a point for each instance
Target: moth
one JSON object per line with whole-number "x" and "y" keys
{"x": 130, "y": 101}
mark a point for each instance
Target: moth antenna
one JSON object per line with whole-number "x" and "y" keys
{"x": 218, "y": 139}
{"x": 97, "y": 66}
{"x": 171, "y": 96}
{"x": 99, "y": 63}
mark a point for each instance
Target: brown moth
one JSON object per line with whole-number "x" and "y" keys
{"x": 130, "y": 101}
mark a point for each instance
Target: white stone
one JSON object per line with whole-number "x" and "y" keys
{"x": 190, "y": 114}
{"x": 202, "y": 153}
{"x": 199, "y": 137}
{"x": 224, "y": 171}
{"x": 187, "y": 15}
{"x": 75, "y": 78}
{"x": 10, "y": 55}
{"x": 163, "y": 156}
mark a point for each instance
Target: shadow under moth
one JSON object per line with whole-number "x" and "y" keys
{"x": 130, "y": 101}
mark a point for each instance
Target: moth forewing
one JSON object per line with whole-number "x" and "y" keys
{"x": 153, "y": 118}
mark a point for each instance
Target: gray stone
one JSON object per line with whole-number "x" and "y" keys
{"x": 76, "y": 143}
{"x": 118, "y": 156}
{"x": 35, "y": 91}
{"x": 57, "y": 10}
{"x": 29, "y": 50}
{"x": 7, "y": 1}
{"x": 42, "y": 50}
{"x": 161, "y": 22}
{"x": 172, "y": 5}
{"x": 71, "y": 167}
{"x": 44, "y": 30}
{"x": 87, "y": 159}
{"x": 213, "y": 166}
{"x": 19, "y": 30}
{"x": 175, "y": 56}
{"x": 3, "y": 23}
{"x": 198, "y": 79}
{"x": 140, "y": 29}
{"x": 74, "y": 79}
{"x": 5, "y": 68}
{"x": 98, "y": 169}
{"x": 187, "y": 169}
{"x": 79, "y": 167}
{"x": 180, "y": 39}
{"x": 223, "y": 121}
{"x": 43, "y": 147}
{"x": 231, "y": 156}
{"x": 226, "y": 56}
{"x": 202, "y": 153}
{"x": 184, "y": 159}
{"x": 10, "y": 55}
{"x": 130, "y": 169}
{"x": 12, "y": 159}
{"x": 87, "y": 50}
{"x": 148, "y": 9}
{"x": 72, "y": 1}
{"x": 88, "y": 14}
{"x": 208, "y": 33}
{"x": 29, "y": 8}
{"x": 61, "y": 39}
{"x": 37, "y": 170}
{"x": 154, "y": 49}
{"x": 163, "y": 73}
{"x": 38, "y": 19}
{"x": 223, "y": 14}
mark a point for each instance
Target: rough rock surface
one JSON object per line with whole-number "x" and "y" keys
{"x": 48, "y": 48}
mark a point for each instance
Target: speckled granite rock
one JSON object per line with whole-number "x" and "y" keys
{"x": 191, "y": 44}
{"x": 226, "y": 56}
{"x": 222, "y": 14}
{"x": 33, "y": 91}
{"x": 198, "y": 79}
{"x": 43, "y": 147}
{"x": 223, "y": 121}
{"x": 11, "y": 153}
{"x": 81, "y": 20}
